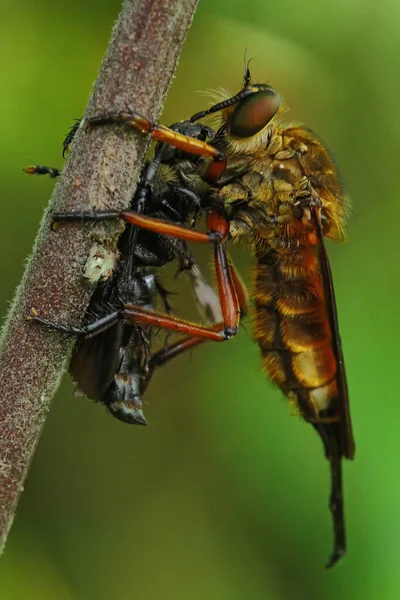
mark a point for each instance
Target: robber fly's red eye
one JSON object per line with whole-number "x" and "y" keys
{"x": 253, "y": 113}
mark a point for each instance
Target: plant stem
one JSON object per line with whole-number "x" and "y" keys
{"x": 101, "y": 172}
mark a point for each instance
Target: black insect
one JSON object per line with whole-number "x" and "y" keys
{"x": 113, "y": 361}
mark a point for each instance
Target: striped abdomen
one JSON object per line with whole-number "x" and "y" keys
{"x": 293, "y": 331}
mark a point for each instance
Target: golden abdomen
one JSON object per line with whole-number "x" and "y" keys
{"x": 292, "y": 329}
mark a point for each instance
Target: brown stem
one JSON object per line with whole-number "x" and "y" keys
{"x": 101, "y": 172}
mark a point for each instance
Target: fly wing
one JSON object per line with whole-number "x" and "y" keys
{"x": 338, "y": 437}
{"x": 346, "y": 433}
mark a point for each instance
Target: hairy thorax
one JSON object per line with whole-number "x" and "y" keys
{"x": 269, "y": 189}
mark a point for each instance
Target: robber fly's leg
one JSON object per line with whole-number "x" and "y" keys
{"x": 41, "y": 170}
{"x": 217, "y": 333}
{"x": 88, "y": 331}
{"x": 160, "y": 133}
{"x": 150, "y": 223}
{"x": 229, "y": 307}
{"x": 240, "y": 288}
{"x": 218, "y": 233}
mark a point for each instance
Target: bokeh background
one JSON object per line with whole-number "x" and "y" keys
{"x": 224, "y": 495}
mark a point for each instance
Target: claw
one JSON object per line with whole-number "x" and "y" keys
{"x": 34, "y": 314}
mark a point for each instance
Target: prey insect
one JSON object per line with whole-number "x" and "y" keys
{"x": 277, "y": 187}
{"x": 114, "y": 361}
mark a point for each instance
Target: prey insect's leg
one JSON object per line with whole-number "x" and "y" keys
{"x": 70, "y": 136}
{"x": 88, "y": 331}
{"x": 163, "y": 293}
{"x": 141, "y": 198}
{"x": 163, "y": 356}
{"x": 42, "y": 170}
{"x": 53, "y": 172}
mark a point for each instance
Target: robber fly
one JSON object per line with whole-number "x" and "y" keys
{"x": 277, "y": 187}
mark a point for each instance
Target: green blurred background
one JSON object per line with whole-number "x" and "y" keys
{"x": 224, "y": 495}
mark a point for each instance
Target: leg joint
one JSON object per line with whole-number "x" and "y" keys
{"x": 228, "y": 333}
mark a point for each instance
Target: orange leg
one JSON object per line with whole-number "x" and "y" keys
{"x": 240, "y": 288}
{"x": 164, "y": 227}
{"x": 150, "y": 223}
{"x": 217, "y": 224}
{"x": 228, "y": 297}
{"x": 218, "y": 232}
{"x": 226, "y": 291}
{"x": 133, "y": 313}
{"x": 137, "y": 314}
{"x": 231, "y": 292}
{"x": 160, "y": 133}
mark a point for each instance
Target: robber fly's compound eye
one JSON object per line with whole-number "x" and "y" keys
{"x": 253, "y": 113}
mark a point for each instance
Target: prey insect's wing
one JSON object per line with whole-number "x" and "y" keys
{"x": 94, "y": 362}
